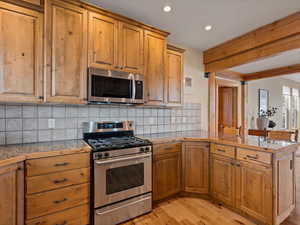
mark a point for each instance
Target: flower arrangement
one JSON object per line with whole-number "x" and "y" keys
{"x": 268, "y": 113}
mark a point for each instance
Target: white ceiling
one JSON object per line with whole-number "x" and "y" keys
{"x": 294, "y": 77}
{"x": 229, "y": 18}
{"x": 284, "y": 59}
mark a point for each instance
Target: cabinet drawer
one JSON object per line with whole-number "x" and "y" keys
{"x": 41, "y": 166}
{"x": 57, "y": 180}
{"x": 75, "y": 216}
{"x": 254, "y": 156}
{"x": 166, "y": 148}
{"x": 34, "y": 2}
{"x": 57, "y": 200}
{"x": 223, "y": 150}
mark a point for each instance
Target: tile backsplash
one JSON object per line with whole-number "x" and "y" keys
{"x": 30, "y": 123}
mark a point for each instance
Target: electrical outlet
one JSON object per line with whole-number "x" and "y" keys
{"x": 51, "y": 123}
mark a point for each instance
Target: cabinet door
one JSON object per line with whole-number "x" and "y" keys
{"x": 166, "y": 175}
{"x": 66, "y": 30}
{"x": 195, "y": 167}
{"x": 103, "y": 41}
{"x": 174, "y": 77}
{"x": 285, "y": 184}
{"x": 254, "y": 191}
{"x": 155, "y": 54}
{"x": 12, "y": 195}
{"x": 131, "y": 48}
{"x": 20, "y": 54}
{"x": 222, "y": 179}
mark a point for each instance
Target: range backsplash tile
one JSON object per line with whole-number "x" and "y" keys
{"x": 29, "y": 123}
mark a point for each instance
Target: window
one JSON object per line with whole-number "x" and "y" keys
{"x": 290, "y": 108}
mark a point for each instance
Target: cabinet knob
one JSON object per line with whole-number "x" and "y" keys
{"x": 41, "y": 97}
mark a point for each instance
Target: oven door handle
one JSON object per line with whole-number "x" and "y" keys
{"x": 123, "y": 159}
{"x": 120, "y": 207}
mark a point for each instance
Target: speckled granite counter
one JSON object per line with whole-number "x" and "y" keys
{"x": 15, "y": 153}
{"x": 253, "y": 142}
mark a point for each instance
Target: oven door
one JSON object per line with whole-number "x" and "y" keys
{"x": 118, "y": 179}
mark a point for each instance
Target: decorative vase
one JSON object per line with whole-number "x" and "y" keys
{"x": 262, "y": 123}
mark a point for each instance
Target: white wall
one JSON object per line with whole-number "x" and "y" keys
{"x": 198, "y": 93}
{"x": 274, "y": 85}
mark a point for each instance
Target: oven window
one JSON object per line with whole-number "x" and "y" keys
{"x": 124, "y": 178}
{"x": 110, "y": 87}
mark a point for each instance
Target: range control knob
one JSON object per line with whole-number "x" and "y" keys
{"x": 99, "y": 156}
{"x": 142, "y": 150}
{"x": 147, "y": 149}
{"x": 106, "y": 155}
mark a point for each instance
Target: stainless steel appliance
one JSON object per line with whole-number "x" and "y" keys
{"x": 108, "y": 86}
{"x": 122, "y": 171}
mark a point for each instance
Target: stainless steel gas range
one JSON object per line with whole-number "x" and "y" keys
{"x": 122, "y": 171}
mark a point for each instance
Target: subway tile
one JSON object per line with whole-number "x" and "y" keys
{"x": 114, "y": 112}
{"x": 71, "y": 111}
{"x": 13, "y": 111}
{"x": 30, "y": 136}
{"x": 59, "y": 123}
{"x": 59, "y": 111}
{"x": 104, "y": 112}
{"x": 43, "y": 124}
{"x": 44, "y": 135}
{"x": 70, "y": 123}
{"x": 147, "y": 112}
{"x": 147, "y": 129}
{"x": 93, "y": 111}
{"x": 29, "y": 111}
{"x": 83, "y": 111}
{"x": 71, "y": 134}
{"x": 44, "y": 111}
{"x": 153, "y": 129}
{"x": 2, "y": 125}
{"x": 160, "y": 113}
{"x": 58, "y": 135}
{"x": 139, "y": 112}
{"x": 2, "y": 138}
{"x": 131, "y": 112}
{"x": 13, "y": 124}
{"x": 14, "y": 137}
{"x": 2, "y": 111}
{"x": 154, "y": 112}
{"x": 30, "y": 124}
{"x": 79, "y": 133}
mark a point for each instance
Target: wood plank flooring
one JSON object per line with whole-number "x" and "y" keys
{"x": 195, "y": 211}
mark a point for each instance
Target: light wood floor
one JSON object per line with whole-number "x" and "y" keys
{"x": 195, "y": 211}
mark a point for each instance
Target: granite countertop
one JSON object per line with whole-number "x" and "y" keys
{"x": 253, "y": 142}
{"x": 14, "y": 153}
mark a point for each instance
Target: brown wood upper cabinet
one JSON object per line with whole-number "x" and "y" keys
{"x": 114, "y": 44}
{"x": 174, "y": 73}
{"x": 20, "y": 54}
{"x": 155, "y": 74}
{"x": 195, "y": 167}
{"x": 12, "y": 194}
{"x": 66, "y": 52}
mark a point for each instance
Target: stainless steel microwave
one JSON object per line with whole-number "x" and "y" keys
{"x": 108, "y": 86}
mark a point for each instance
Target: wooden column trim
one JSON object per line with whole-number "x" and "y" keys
{"x": 213, "y": 117}
{"x": 244, "y": 100}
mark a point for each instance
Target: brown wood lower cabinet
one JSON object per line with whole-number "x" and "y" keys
{"x": 222, "y": 179}
{"x": 166, "y": 170}
{"x": 195, "y": 167}
{"x": 58, "y": 190}
{"x": 254, "y": 190}
{"x": 12, "y": 194}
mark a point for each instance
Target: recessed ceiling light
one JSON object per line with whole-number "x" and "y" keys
{"x": 167, "y": 8}
{"x": 208, "y": 27}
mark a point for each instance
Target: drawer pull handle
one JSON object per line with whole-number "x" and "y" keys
{"x": 60, "y": 201}
{"x": 252, "y": 157}
{"x": 61, "y": 164}
{"x": 221, "y": 150}
{"x": 63, "y": 223}
{"x": 60, "y": 181}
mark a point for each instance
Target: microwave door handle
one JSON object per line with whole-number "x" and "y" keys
{"x": 133, "y": 87}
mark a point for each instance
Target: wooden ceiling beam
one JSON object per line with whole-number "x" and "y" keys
{"x": 271, "y": 49}
{"x": 272, "y": 72}
{"x": 275, "y": 31}
{"x": 232, "y": 75}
